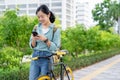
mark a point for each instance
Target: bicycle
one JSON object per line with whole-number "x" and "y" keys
{"x": 64, "y": 69}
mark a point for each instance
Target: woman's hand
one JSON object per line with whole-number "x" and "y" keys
{"x": 34, "y": 38}
{"x": 42, "y": 37}
{"x": 39, "y": 37}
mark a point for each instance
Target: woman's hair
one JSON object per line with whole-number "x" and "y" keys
{"x": 46, "y": 10}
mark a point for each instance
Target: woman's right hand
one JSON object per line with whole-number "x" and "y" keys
{"x": 34, "y": 38}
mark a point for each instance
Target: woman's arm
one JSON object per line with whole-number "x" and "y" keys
{"x": 55, "y": 43}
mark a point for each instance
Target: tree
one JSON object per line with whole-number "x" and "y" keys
{"x": 100, "y": 14}
{"x": 114, "y": 12}
{"x": 16, "y": 30}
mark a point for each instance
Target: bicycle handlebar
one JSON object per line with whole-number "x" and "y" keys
{"x": 59, "y": 53}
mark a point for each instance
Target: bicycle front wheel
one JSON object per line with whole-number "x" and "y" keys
{"x": 68, "y": 75}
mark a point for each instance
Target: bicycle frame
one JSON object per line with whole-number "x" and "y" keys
{"x": 63, "y": 68}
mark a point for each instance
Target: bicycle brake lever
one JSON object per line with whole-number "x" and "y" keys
{"x": 66, "y": 51}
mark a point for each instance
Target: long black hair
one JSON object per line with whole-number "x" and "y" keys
{"x": 46, "y": 10}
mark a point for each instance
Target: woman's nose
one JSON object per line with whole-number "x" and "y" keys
{"x": 40, "y": 19}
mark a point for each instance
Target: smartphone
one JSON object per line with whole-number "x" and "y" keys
{"x": 34, "y": 33}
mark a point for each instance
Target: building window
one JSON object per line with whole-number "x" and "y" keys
{"x": 2, "y": 6}
{"x": 68, "y": 17}
{"x": 2, "y": 1}
{"x": 68, "y": 6}
{"x": 43, "y": 0}
{"x": 56, "y": 10}
{"x": 47, "y": 4}
{"x": 59, "y": 16}
{"x": 22, "y": 12}
{"x": 68, "y": 23}
{"x": 33, "y": 5}
{"x": 11, "y": 6}
{"x": 57, "y": 4}
{"x": 22, "y": 6}
{"x": 68, "y": 1}
{"x": 32, "y": 11}
{"x": 68, "y": 11}
{"x": 1, "y": 12}
{"x": 54, "y": 0}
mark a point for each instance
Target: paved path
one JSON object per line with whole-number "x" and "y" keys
{"x": 105, "y": 70}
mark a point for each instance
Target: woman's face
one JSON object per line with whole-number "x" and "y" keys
{"x": 42, "y": 17}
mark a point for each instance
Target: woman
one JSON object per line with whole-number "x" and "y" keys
{"x": 44, "y": 42}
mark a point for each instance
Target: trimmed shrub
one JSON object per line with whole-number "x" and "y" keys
{"x": 10, "y": 58}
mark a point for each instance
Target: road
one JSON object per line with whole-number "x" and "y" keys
{"x": 108, "y": 69}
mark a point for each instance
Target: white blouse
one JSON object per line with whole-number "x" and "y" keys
{"x": 45, "y": 30}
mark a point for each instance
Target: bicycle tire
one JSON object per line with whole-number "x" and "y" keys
{"x": 44, "y": 78}
{"x": 68, "y": 75}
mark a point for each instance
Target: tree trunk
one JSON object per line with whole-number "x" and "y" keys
{"x": 115, "y": 26}
{"x": 118, "y": 25}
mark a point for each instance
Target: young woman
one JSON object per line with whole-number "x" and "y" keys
{"x": 44, "y": 42}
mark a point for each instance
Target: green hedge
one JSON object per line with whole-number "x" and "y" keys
{"x": 76, "y": 63}
{"x": 15, "y": 74}
{"x": 88, "y": 59}
{"x": 10, "y": 57}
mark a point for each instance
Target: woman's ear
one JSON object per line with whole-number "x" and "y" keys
{"x": 49, "y": 14}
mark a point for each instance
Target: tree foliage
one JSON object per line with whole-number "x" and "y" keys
{"x": 106, "y": 13}
{"x": 72, "y": 39}
{"x": 10, "y": 58}
{"x": 78, "y": 39}
{"x": 114, "y": 12}
{"x": 16, "y": 30}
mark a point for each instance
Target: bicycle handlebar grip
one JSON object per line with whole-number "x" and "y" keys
{"x": 60, "y": 53}
{"x": 35, "y": 58}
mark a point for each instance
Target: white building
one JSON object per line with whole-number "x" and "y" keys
{"x": 64, "y": 9}
{"x": 83, "y": 14}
